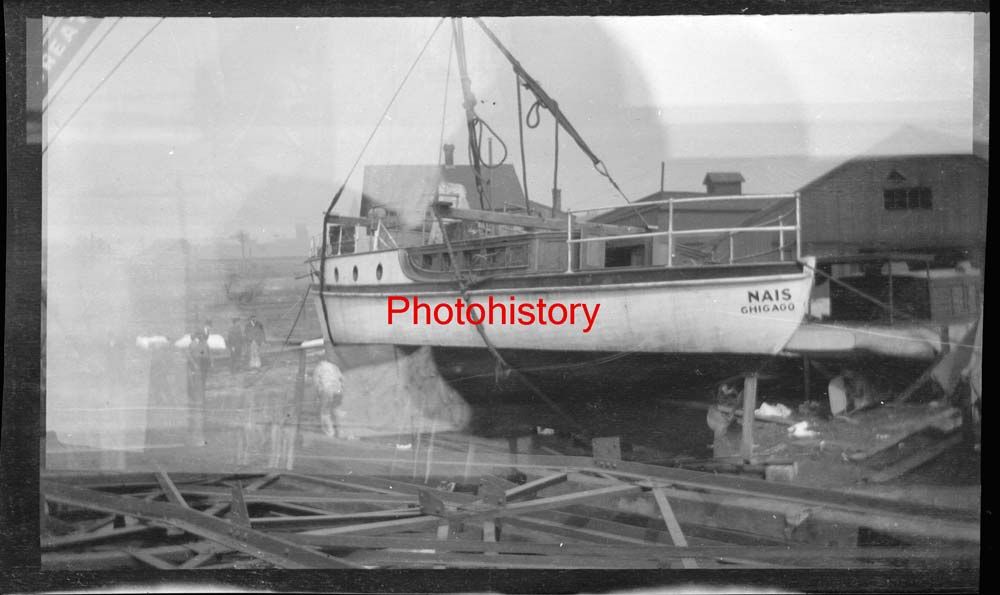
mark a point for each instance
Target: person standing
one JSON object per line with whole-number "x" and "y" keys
{"x": 255, "y": 338}
{"x": 198, "y": 364}
{"x": 235, "y": 341}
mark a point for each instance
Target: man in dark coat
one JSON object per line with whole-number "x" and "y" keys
{"x": 255, "y": 339}
{"x": 235, "y": 341}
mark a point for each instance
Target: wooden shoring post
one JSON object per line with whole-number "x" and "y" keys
{"x": 749, "y": 406}
{"x": 806, "y": 378}
{"x": 673, "y": 527}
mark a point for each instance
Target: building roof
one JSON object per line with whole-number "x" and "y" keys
{"x": 899, "y": 163}
{"x": 411, "y": 188}
{"x": 723, "y": 177}
{"x": 738, "y": 205}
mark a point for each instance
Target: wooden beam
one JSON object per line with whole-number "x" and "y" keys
{"x": 534, "y": 486}
{"x": 279, "y": 552}
{"x": 241, "y": 516}
{"x": 152, "y": 560}
{"x": 915, "y": 460}
{"x": 673, "y": 527}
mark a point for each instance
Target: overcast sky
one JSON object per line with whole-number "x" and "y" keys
{"x": 213, "y": 125}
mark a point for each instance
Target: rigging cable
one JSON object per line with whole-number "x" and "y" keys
{"x": 79, "y": 65}
{"x": 100, "y": 84}
{"x": 463, "y": 287}
{"x": 340, "y": 191}
{"x": 553, "y": 107}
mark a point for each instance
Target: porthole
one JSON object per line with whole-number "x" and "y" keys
{"x": 336, "y": 274}
{"x": 355, "y": 274}
{"x": 378, "y": 271}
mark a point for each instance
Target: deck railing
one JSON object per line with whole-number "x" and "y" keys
{"x": 671, "y": 233}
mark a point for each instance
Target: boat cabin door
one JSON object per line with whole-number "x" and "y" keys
{"x": 341, "y": 238}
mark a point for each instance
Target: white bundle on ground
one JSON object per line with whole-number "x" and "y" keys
{"x": 148, "y": 343}
{"x": 768, "y": 410}
{"x": 215, "y": 342}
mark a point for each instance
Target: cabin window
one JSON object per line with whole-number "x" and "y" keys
{"x": 355, "y": 273}
{"x": 903, "y": 199}
{"x": 624, "y": 256}
{"x": 336, "y": 274}
{"x": 378, "y": 271}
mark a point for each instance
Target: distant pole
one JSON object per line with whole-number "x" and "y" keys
{"x": 663, "y": 173}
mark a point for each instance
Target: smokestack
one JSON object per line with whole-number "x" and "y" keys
{"x": 449, "y": 155}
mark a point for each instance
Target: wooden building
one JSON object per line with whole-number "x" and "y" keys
{"x": 933, "y": 204}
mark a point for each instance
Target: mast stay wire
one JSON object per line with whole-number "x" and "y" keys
{"x": 101, "y": 84}
{"x": 49, "y": 100}
{"x": 553, "y": 107}
{"x": 340, "y": 191}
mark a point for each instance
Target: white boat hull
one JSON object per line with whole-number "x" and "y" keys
{"x": 748, "y": 314}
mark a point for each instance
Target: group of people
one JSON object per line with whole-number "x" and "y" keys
{"x": 244, "y": 343}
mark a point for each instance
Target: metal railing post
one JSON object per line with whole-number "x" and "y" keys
{"x": 670, "y": 235}
{"x": 798, "y": 226}
{"x": 569, "y": 242}
{"x": 781, "y": 238}
{"x": 730, "y": 248}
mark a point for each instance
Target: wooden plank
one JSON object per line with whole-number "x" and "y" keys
{"x": 279, "y": 552}
{"x": 152, "y": 560}
{"x": 333, "y": 518}
{"x": 532, "y": 487}
{"x": 197, "y": 560}
{"x": 168, "y": 487}
{"x": 460, "y": 560}
{"x": 288, "y": 496}
{"x": 380, "y": 526}
{"x": 240, "y": 514}
{"x": 915, "y": 460}
{"x": 542, "y": 504}
{"x": 673, "y": 527}
{"x": 104, "y": 534}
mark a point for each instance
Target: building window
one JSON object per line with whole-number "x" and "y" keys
{"x": 902, "y": 199}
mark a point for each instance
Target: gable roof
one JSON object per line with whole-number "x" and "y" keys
{"x": 898, "y": 162}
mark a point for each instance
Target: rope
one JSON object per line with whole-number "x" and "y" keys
{"x": 101, "y": 84}
{"x": 531, "y": 386}
{"x": 520, "y": 130}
